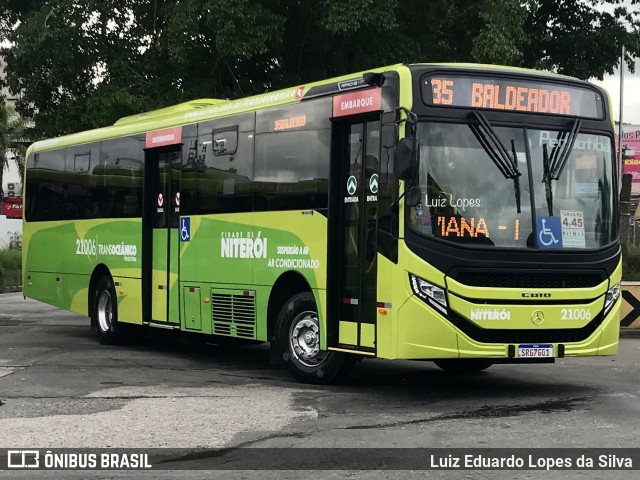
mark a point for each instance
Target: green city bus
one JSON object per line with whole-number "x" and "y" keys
{"x": 464, "y": 214}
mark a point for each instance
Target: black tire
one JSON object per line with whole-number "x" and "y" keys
{"x": 463, "y": 365}
{"x": 295, "y": 325}
{"x": 104, "y": 313}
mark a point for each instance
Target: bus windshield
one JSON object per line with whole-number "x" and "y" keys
{"x": 537, "y": 188}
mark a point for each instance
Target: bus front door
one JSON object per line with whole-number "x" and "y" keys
{"x": 352, "y": 250}
{"x": 160, "y": 292}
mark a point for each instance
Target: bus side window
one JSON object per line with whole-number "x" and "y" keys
{"x": 224, "y": 159}
{"x": 292, "y": 157}
{"x": 388, "y": 191}
{"x": 31, "y": 200}
{"x": 131, "y": 192}
{"x": 47, "y": 178}
{"x": 189, "y": 172}
{"x": 122, "y": 169}
{"x": 77, "y": 181}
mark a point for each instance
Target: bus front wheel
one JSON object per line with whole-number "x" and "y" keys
{"x": 463, "y": 365}
{"x": 104, "y": 314}
{"x": 299, "y": 344}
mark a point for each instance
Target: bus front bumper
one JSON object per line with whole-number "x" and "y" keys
{"x": 423, "y": 333}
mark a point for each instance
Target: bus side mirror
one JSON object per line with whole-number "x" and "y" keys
{"x": 402, "y": 163}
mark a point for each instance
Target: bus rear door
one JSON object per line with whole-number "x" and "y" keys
{"x": 161, "y": 214}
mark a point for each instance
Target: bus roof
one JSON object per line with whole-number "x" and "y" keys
{"x": 486, "y": 67}
{"x": 206, "y": 109}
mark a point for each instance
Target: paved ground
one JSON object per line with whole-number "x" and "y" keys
{"x": 60, "y": 388}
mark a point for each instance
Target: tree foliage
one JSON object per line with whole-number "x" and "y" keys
{"x": 83, "y": 64}
{"x": 572, "y": 37}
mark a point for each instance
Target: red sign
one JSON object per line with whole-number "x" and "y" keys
{"x": 160, "y": 199}
{"x": 357, "y": 102}
{"x": 12, "y": 207}
{"x": 162, "y": 138}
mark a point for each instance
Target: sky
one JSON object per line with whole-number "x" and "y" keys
{"x": 631, "y": 94}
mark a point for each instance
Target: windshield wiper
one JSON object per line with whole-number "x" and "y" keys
{"x": 507, "y": 164}
{"x": 516, "y": 178}
{"x": 561, "y": 161}
{"x": 554, "y": 164}
{"x": 546, "y": 176}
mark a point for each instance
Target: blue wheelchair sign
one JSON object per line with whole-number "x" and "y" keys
{"x": 185, "y": 229}
{"x": 549, "y": 232}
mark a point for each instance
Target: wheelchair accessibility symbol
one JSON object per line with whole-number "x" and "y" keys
{"x": 185, "y": 229}
{"x": 549, "y": 232}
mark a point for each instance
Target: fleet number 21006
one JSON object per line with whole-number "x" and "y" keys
{"x": 85, "y": 247}
{"x": 575, "y": 314}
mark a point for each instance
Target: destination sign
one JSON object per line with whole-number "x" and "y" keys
{"x": 512, "y": 95}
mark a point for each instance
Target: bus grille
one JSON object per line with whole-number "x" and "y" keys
{"x": 233, "y": 314}
{"x": 529, "y": 279}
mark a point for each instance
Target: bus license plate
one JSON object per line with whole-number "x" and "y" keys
{"x": 535, "y": 351}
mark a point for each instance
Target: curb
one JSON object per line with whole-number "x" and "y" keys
{"x": 626, "y": 332}
{"x": 14, "y": 289}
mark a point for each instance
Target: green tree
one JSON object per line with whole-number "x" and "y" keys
{"x": 576, "y": 37}
{"x": 84, "y": 64}
{"x": 12, "y": 140}
{"x": 81, "y": 65}
{"x": 502, "y": 39}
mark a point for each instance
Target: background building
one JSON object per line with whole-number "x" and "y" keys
{"x": 631, "y": 154}
{"x": 9, "y": 98}
{"x": 10, "y": 228}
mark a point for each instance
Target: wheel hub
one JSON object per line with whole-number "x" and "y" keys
{"x": 105, "y": 311}
{"x": 304, "y": 340}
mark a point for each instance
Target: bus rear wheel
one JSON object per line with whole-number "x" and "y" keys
{"x": 463, "y": 365}
{"x": 104, "y": 314}
{"x": 299, "y": 344}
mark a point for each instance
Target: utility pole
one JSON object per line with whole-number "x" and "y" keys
{"x": 620, "y": 157}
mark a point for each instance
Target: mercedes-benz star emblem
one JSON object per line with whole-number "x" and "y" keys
{"x": 537, "y": 317}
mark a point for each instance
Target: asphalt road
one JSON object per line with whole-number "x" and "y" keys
{"x": 60, "y": 388}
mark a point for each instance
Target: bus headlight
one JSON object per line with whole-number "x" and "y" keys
{"x": 612, "y": 295}
{"x": 429, "y": 293}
